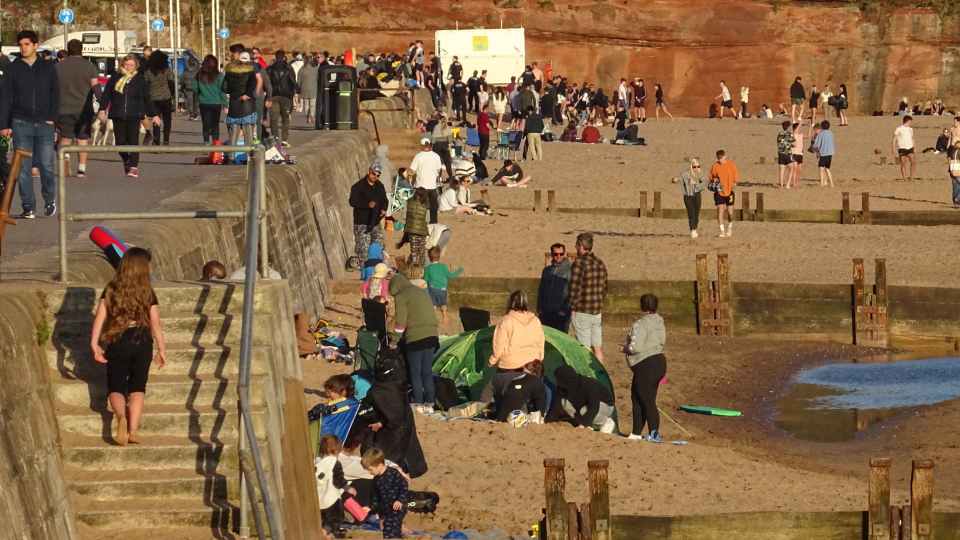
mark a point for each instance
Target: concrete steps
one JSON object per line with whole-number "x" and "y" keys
{"x": 183, "y": 480}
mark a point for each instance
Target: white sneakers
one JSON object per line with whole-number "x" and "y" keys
{"x": 693, "y": 234}
{"x": 535, "y": 417}
{"x": 422, "y": 409}
{"x": 726, "y": 232}
{"x": 635, "y": 437}
{"x": 609, "y": 426}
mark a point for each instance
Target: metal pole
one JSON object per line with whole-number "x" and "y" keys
{"x": 203, "y": 38}
{"x": 116, "y": 46}
{"x": 62, "y": 201}
{"x": 66, "y": 27}
{"x": 213, "y": 28}
{"x": 262, "y": 218}
{"x": 146, "y": 15}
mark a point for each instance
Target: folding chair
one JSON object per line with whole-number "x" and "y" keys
{"x": 502, "y": 150}
{"x": 473, "y": 137}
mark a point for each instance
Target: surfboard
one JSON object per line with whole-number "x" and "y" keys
{"x": 712, "y": 411}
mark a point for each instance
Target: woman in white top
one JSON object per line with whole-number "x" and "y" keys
{"x": 824, "y": 99}
{"x": 456, "y": 198}
{"x": 499, "y": 104}
{"x": 483, "y": 96}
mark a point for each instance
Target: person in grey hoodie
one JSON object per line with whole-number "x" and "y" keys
{"x": 307, "y": 79}
{"x": 644, "y": 350}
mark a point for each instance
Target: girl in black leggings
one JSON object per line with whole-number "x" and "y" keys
{"x": 126, "y": 326}
{"x": 644, "y": 349}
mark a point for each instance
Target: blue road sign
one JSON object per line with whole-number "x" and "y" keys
{"x": 223, "y": 33}
{"x": 156, "y": 25}
{"x": 66, "y": 16}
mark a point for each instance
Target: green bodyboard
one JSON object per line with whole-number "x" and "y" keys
{"x": 712, "y": 411}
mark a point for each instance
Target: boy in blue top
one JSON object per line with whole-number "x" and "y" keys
{"x": 438, "y": 275}
{"x": 824, "y": 146}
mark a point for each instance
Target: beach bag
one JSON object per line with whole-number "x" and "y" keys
{"x": 422, "y": 502}
{"x": 832, "y": 101}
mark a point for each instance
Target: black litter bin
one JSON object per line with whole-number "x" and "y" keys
{"x": 337, "y": 105}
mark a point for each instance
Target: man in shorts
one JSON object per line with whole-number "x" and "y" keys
{"x": 824, "y": 146}
{"x": 798, "y": 97}
{"x": 784, "y": 157}
{"x": 903, "y": 146}
{"x": 726, "y": 100}
{"x": 955, "y": 132}
{"x": 77, "y": 78}
{"x": 588, "y": 291}
{"x": 725, "y": 174}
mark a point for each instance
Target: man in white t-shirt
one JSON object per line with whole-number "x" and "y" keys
{"x": 623, "y": 95}
{"x": 726, "y": 100}
{"x": 903, "y": 146}
{"x": 428, "y": 167}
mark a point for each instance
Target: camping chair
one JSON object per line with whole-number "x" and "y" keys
{"x": 336, "y": 420}
{"x": 370, "y": 338}
{"x": 515, "y": 150}
{"x": 474, "y": 319}
{"x": 502, "y": 150}
{"x": 473, "y": 137}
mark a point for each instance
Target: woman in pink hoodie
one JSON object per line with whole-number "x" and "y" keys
{"x": 517, "y": 341}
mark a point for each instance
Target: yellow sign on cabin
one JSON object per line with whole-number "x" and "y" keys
{"x": 481, "y": 43}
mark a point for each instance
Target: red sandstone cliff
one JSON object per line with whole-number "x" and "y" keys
{"x": 687, "y": 45}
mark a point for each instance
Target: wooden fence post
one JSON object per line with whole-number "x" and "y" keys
{"x": 586, "y": 525}
{"x": 642, "y": 212}
{"x": 554, "y": 484}
{"x": 906, "y": 522}
{"x": 921, "y": 500}
{"x": 537, "y": 201}
{"x": 599, "y": 517}
{"x": 573, "y": 521}
{"x": 758, "y": 215}
{"x": 551, "y": 200}
{"x": 882, "y": 331}
{"x": 704, "y": 312}
{"x": 857, "y": 300}
{"x": 879, "y": 500}
{"x": 895, "y": 514}
{"x": 865, "y": 208}
{"x": 657, "y": 205}
{"x": 845, "y": 208}
{"x": 724, "y": 304}
{"x": 745, "y": 213}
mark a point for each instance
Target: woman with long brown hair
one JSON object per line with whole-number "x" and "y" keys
{"x": 209, "y": 87}
{"x": 125, "y": 327}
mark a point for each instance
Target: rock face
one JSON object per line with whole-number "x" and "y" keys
{"x": 686, "y": 45}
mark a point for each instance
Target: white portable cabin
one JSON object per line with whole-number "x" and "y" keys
{"x": 96, "y": 43}
{"x": 502, "y": 52}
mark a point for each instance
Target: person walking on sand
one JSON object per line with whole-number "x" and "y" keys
{"x": 726, "y": 100}
{"x": 661, "y": 104}
{"x": 953, "y": 169}
{"x": 824, "y": 146}
{"x": 955, "y": 131}
{"x": 638, "y": 94}
{"x": 843, "y": 101}
{"x": 588, "y": 291}
{"x": 553, "y": 294}
{"x": 126, "y": 325}
{"x": 814, "y": 103}
{"x": 796, "y": 154}
{"x": 723, "y": 176}
{"x": 644, "y": 349}
{"x": 368, "y": 198}
{"x": 903, "y": 147}
{"x": 692, "y": 184}
{"x": 744, "y": 101}
{"x": 784, "y": 156}
{"x": 797, "y": 99}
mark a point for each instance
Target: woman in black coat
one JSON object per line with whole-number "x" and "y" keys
{"x": 126, "y": 101}
{"x": 394, "y": 428}
{"x": 585, "y": 401}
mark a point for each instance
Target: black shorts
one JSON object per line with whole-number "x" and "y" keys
{"x": 797, "y": 158}
{"x": 128, "y": 361}
{"x": 74, "y": 126}
{"x": 719, "y": 199}
{"x": 784, "y": 159}
{"x": 825, "y": 161}
{"x": 639, "y": 102}
{"x": 728, "y": 104}
{"x": 904, "y": 151}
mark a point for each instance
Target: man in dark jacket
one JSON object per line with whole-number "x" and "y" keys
{"x": 29, "y": 106}
{"x": 585, "y": 401}
{"x": 283, "y": 81}
{"x": 4, "y": 145}
{"x": 797, "y": 99}
{"x": 369, "y": 201}
{"x": 553, "y": 305}
{"x": 473, "y": 96}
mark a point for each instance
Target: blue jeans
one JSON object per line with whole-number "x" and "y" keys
{"x": 420, "y": 368}
{"x": 956, "y": 190}
{"x": 36, "y": 138}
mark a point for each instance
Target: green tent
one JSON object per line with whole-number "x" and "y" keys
{"x": 463, "y": 359}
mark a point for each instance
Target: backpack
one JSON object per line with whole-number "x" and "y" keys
{"x": 281, "y": 78}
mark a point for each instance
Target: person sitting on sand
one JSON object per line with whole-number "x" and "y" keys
{"x": 517, "y": 340}
{"x": 942, "y": 144}
{"x": 584, "y": 400}
{"x": 570, "y": 132}
{"x": 525, "y": 392}
{"x": 510, "y": 175}
{"x": 456, "y": 197}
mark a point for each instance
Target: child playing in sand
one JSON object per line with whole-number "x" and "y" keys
{"x": 438, "y": 275}
{"x": 330, "y": 485}
{"x": 390, "y": 489}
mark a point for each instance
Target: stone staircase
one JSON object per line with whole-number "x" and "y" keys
{"x": 183, "y": 480}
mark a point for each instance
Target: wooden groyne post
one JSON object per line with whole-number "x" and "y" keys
{"x": 871, "y": 324}
{"x": 554, "y": 484}
{"x": 884, "y": 524}
{"x": 642, "y": 211}
{"x": 921, "y": 501}
{"x": 714, "y": 306}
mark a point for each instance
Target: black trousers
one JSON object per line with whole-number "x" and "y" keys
{"x": 693, "y": 204}
{"x": 443, "y": 150}
{"x": 434, "y": 204}
{"x": 473, "y": 102}
{"x": 643, "y": 392}
{"x": 127, "y": 132}
{"x": 164, "y": 110}
{"x": 210, "y": 119}
{"x": 484, "y": 144}
{"x": 459, "y": 108}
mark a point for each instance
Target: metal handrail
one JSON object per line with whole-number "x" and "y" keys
{"x": 255, "y": 234}
{"x": 65, "y": 215}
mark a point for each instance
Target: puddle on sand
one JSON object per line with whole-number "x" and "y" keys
{"x": 833, "y": 403}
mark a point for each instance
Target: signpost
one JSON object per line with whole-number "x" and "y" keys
{"x": 223, "y": 33}
{"x": 157, "y": 25}
{"x": 66, "y": 16}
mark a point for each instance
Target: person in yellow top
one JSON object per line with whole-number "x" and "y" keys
{"x": 723, "y": 176}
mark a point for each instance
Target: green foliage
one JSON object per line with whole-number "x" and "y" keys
{"x": 44, "y": 331}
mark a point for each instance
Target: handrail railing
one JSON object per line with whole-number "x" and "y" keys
{"x": 256, "y": 233}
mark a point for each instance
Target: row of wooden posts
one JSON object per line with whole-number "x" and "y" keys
{"x": 715, "y": 308}
{"x": 565, "y": 520}
{"x": 747, "y": 212}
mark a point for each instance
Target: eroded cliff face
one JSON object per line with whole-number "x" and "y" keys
{"x": 687, "y": 45}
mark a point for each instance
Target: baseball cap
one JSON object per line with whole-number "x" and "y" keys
{"x": 425, "y": 141}
{"x": 244, "y": 56}
{"x": 376, "y": 167}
